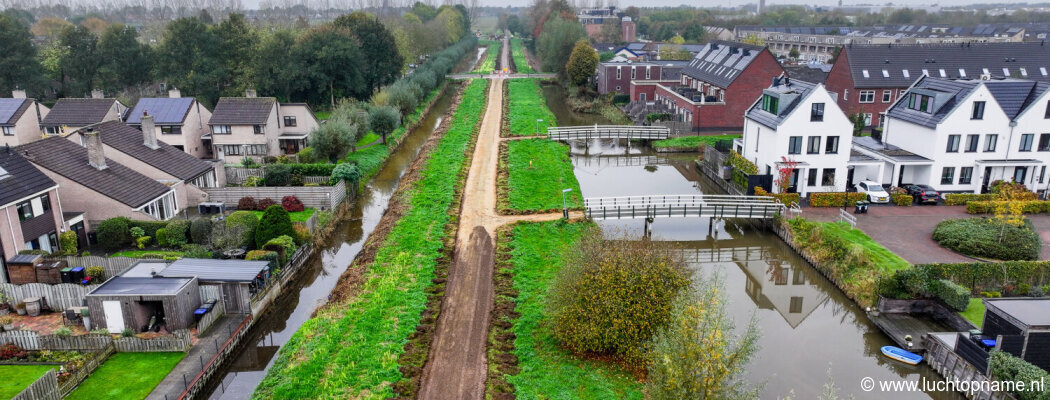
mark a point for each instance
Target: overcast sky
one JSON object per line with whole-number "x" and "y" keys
{"x": 731, "y": 3}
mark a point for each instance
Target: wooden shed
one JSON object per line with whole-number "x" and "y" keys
{"x": 1021, "y": 326}
{"x": 129, "y": 302}
{"x": 237, "y": 280}
{"x": 21, "y": 269}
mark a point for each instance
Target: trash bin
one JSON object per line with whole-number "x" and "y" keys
{"x": 77, "y": 273}
{"x": 861, "y": 207}
{"x": 67, "y": 275}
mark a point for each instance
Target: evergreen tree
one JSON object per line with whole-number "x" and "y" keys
{"x": 19, "y": 67}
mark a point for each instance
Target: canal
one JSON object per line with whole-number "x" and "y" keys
{"x": 311, "y": 289}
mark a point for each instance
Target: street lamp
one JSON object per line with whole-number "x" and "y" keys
{"x": 564, "y": 203}
{"x": 538, "y": 126}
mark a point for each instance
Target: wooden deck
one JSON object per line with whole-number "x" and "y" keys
{"x": 899, "y": 325}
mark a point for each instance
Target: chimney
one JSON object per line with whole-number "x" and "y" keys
{"x": 174, "y": 93}
{"x": 93, "y": 142}
{"x": 250, "y": 93}
{"x": 149, "y": 132}
{"x": 18, "y": 94}
{"x": 98, "y": 94}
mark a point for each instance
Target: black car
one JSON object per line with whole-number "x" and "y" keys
{"x": 923, "y": 193}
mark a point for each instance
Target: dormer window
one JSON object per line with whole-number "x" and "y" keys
{"x": 978, "y": 110}
{"x": 770, "y": 103}
{"x": 816, "y": 113}
{"x": 920, "y": 102}
{"x": 962, "y": 72}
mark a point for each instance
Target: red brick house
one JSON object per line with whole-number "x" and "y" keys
{"x": 616, "y": 77}
{"x": 868, "y": 79}
{"x": 715, "y": 88}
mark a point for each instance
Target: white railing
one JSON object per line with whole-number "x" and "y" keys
{"x": 682, "y": 206}
{"x": 846, "y": 216}
{"x": 795, "y": 209}
{"x": 608, "y": 132}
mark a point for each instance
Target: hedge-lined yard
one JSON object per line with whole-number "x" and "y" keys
{"x": 532, "y": 176}
{"x": 526, "y": 104}
{"x": 350, "y": 349}
{"x": 517, "y": 51}
{"x": 989, "y": 238}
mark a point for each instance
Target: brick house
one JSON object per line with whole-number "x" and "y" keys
{"x": 258, "y": 126}
{"x": 869, "y": 79}
{"x": 715, "y": 88}
{"x": 20, "y": 119}
{"x": 31, "y": 215}
{"x": 178, "y": 121}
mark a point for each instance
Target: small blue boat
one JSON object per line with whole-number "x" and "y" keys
{"x": 901, "y": 355}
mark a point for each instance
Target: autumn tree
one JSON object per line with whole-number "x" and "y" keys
{"x": 785, "y": 172}
{"x": 582, "y": 63}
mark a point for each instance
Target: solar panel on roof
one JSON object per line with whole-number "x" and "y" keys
{"x": 8, "y": 108}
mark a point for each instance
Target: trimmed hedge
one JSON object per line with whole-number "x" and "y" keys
{"x": 986, "y": 207}
{"x": 983, "y": 276}
{"x": 958, "y": 199}
{"x": 902, "y": 199}
{"x": 913, "y": 283}
{"x": 178, "y": 232}
{"x": 984, "y": 237}
{"x": 113, "y": 233}
{"x": 784, "y": 198}
{"x": 951, "y": 293}
{"x": 835, "y": 199}
{"x": 1007, "y": 368}
{"x": 738, "y": 161}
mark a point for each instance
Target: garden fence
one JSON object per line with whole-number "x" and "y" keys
{"x": 59, "y": 297}
{"x": 312, "y": 196}
{"x": 295, "y": 262}
{"x": 216, "y": 312}
{"x": 237, "y": 176}
{"x": 196, "y": 383}
{"x": 180, "y": 341}
{"x": 113, "y": 265}
{"x": 31, "y": 340}
{"x": 91, "y": 363}
{"x": 45, "y": 388}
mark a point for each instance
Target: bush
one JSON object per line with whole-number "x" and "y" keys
{"x": 277, "y": 174}
{"x": 162, "y": 237}
{"x": 835, "y": 199}
{"x": 738, "y": 161}
{"x": 11, "y": 351}
{"x": 200, "y": 231}
{"x": 917, "y": 283}
{"x": 97, "y": 273}
{"x": 951, "y": 293}
{"x": 246, "y": 203}
{"x": 142, "y": 241}
{"x": 137, "y": 232}
{"x": 195, "y": 251}
{"x": 149, "y": 228}
{"x": 68, "y": 242}
{"x": 307, "y": 155}
{"x": 302, "y": 234}
{"x": 958, "y": 199}
{"x": 1007, "y": 368}
{"x": 983, "y": 237}
{"x": 784, "y": 198}
{"x": 621, "y": 99}
{"x": 346, "y": 172}
{"x": 63, "y": 332}
{"x": 245, "y": 223}
{"x": 275, "y": 222}
{"x": 252, "y": 181}
{"x": 178, "y": 231}
{"x": 127, "y": 332}
{"x": 263, "y": 204}
{"x": 291, "y": 204}
{"x": 1028, "y": 207}
{"x": 113, "y": 233}
{"x": 612, "y": 296}
{"x": 271, "y": 257}
{"x": 284, "y": 246}
{"x": 902, "y": 199}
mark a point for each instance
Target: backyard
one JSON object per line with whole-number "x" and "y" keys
{"x": 532, "y": 175}
{"x": 127, "y": 376}
{"x": 17, "y": 377}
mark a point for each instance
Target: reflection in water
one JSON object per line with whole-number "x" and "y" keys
{"x": 807, "y": 325}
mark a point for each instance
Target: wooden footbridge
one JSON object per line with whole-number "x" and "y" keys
{"x": 608, "y": 132}
{"x": 682, "y": 206}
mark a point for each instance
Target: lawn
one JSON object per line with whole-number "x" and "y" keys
{"x": 526, "y": 104}
{"x": 887, "y": 260}
{"x": 323, "y": 115}
{"x": 532, "y": 177}
{"x": 127, "y": 376}
{"x": 517, "y": 51}
{"x": 17, "y": 377}
{"x": 975, "y": 311}
{"x": 487, "y": 65}
{"x": 297, "y": 216}
{"x": 368, "y": 139}
{"x": 692, "y": 141}
{"x": 141, "y": 253}
{"x": 351, "y": 348}
{"x": 546, "y": 371}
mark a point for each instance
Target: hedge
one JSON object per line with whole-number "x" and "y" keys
{"x": 902, "y": 199}
{"x": 270, "y": 257}
{"x": 1007, "y": 368}
{"x": 986, "y": 207}
{"x": 835, "y": 199}
{"x": 113, "y": 233}
{"x": 985, "y": 237}
{"x": 958, "y": 199}
{"x": 983, "y": 276}
{"x": 149, "y": 227}
{"x": 738, "y": 162}
{"x": 784, "y": 198}
{"x": 951, "y": 293}
{"x": 913, "y": 283}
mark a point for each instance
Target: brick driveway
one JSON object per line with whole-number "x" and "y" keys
{"x": 907, "y": 230}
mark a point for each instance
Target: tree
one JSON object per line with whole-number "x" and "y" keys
{"x": 19, "y": 67}
{"x": 425, "y": 12}
{"x": 754, "y": 39}
{"x": 380, "y": 62}
{"x": 94, "y": 25}
{"x": 384, "y": 119}
{"x": 582, "y": 63}
{"x": 81, "y": 63}
{"x": 188, "y": 58}
{"x": 275, "y": 222}
{"x": 694, "y": 33}
{"x": 556, "y": 42}
{"x": 333, "y": 139}
{"x": 273, "y": 71}
{"x": 238, "y": 43}
{"x": 50, "y": 27}
{"x": 404, "y": 96}
{"x": 331, "y": 57}
{"x": 123, "y": 61}
{"x": 346, "y": 172}
{"x": 835, "y": 54}
{"x": 697, "y": 356}
{"x": 794, "y": 54}
{"x": 610, "y": 32}
{"x": 785, "y": 171}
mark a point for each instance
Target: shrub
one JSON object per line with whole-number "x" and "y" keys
{"x": 97, "y": 273}
{"x": 835, "y": 199}
{"x": 246, "y": 203}
{"x": 611, "y": 296}
{"x": 137, "y": 232}
{"x": 621, "y": 99}
{"x": 784, "y": 198}
{"x": 263, "y": 204}
{"x": 284, "y": 246}
{"x": 142, "y": 241}
{"x": 178, "y": 231}
{"x": 149, "y": 228}
{"x": 63, "y": 332}
{"x": 951, "y": 293}
{"x": 307, "y": 155}
{"x": 68, "y": 242}
{"x": 1007, "y": 368}
{"x": 983, "y": 237}
{"x": 127, "y": 332}
{"x": 275, "y": 222}
{"x": 992, "y": 294}
{"x": 291, "y": 204}
{"x": 277, "y": 175}
{"x": 1027, "y": 207}
{"x": 200, "y": 231}
{"x": 346, "y": 172}
{"x": 252, "y": 181}
{"x": 195, "y": 251}
{"x": 958, "y": 199}
{"x": 243, "y": 224}
{"x": 302, "y": 234}
{"x": 295, "y": 180}
{"x": 265, "y": 255}
{"x": 738, "y": 161}
{"x": 1036, "y": 291}
{"x": 902, "y": 199}
{"x": 12, "y": 351}
{"x": 1012, "y": 191}
{"x": 113, "y": 233}
{"x": 162, "y": 237}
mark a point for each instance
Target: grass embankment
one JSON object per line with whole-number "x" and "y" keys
{"x": 532, "y": 175}
{"x": 517, "y": 51}
{"x": 529, "y": 256}
{"x": 691, "y": 141}
{"x": 488, "y": 65}
{"x": 368, "y": 139}
{"x": 350, "y": 349}
{"x": 975, "y": 311}
{"x": 127, "y": 376}
{"x": 525, "y": 105}
{"x": 849, "y": 257}
{"x": 371, "y": 159}
{"x": 17, "y": 377}
{"x": 297, "y": 216}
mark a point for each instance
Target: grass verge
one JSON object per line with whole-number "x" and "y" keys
{"x": 127, "y": 376}
{"x": 368, "y": 139}
{"x": 524, "y": 359}
{"x": 975, "y": 311}
{"x": 488, "y": 65}
{"x": 525, "y": 105}
{"x": 532, "y": 174}
{"x": 297, "y": 216}
{"x": 351, "y": 347}
{"x": 691, "y": 141}
{"x": 517, "y": 52}
{"x": 18, "y": 377}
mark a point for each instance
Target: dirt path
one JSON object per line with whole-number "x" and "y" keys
{"x": 504, "y": 54}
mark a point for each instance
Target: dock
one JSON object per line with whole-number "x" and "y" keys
{"x": 899, "y": 325}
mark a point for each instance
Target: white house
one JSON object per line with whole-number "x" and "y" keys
{"x": 959, "y": 135}
{"x": 800, "y": 122}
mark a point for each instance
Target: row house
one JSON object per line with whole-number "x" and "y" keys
{"x": 31, "y": 215}
{"x": 257, "y": 127}
{"x": 868, "y": 79}
{"x": 616, "y": 77}
{"x": 178, "y": 121}
{"x": 70, "y": 114}
{"x": 715, "y": 88}
{"x": 20, "y": 119}
{"x": 959, "y": 135}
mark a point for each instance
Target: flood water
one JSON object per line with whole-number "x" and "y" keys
{"x": 318, "y": 279}
{"x": 807, "y": 325}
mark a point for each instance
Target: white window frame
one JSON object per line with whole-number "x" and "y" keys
{"x": 221, "y": 129}
{"x": 870, "y": 94}
{"x": 887, "y": 96}
{"x": 8, "y": 130}
{"x": 170, "y": 209}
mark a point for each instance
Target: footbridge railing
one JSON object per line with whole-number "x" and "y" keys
{"x": 608, "y": 132}
{"x": 682, "y": 206}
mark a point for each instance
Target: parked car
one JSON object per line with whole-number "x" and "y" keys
{"x": 876, "y": 193}
{"x": 923, "y": 193}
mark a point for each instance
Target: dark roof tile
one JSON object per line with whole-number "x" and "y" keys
{"x": 165, "y": 110}
{"x": 242, "y": 111}
{"x": 720, "y": 62}
{"x": 78, "y": 112}
{"x": 166, "y": 158}
{"x": 19, "y": 178}
{"x": 972, "y": 58}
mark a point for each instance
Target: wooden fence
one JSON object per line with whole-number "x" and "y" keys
{"x": 31, "y": 340}
{"x": 45, "y": 388}
{"x": 59, "y": 297}
{"x": 78, "y": 375}
{"x": 210, "y": 292}
{"x": 113, "y": 266}
{"x": 180, "y": 341}
{"x": 216, "y": 312}
{"x": 260, "y": 300}
{"x": 237, "y": 176}
{"x": 312, "y": 196}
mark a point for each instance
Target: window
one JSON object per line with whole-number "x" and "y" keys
{"x": 259, "y": 129}
{"x": 1042, "y": 174}
{"x": 887, "y": 96}
{"x": 1044, "y": 142}
{"x": 948, "y": 176}
{"x": 256, "y": 149}
{"x": 170, "y": 130}
{"x": 795, "y": 145}
{"x": 1026, "y": 142}
{"x": 885, "y": 73}
{"x": 920, "y": 103}
{"x": 769, "y": 103}
{"x": 845, "y": 95}
{"x": 163, "y": 208}
{"x": 971, "y": 143}
{"x": 25, "y": 211}
{"x": 867, "y": 96}
{"x": 816, "y": 112}
{"x": 52, "y": 130}
{"x": 832, "y": 147}
{"x": 618, "y": 74}
{"x": 230, "y": 149}
{"x": 8, "y": 130}
{"x": 812, "y": 180}
{"x": 867, "y": 119}
{"x": 634, "y": 73}
{"x": 795, "y": 307}
{"x": 221, "y": 129}
{"x": 990, "y": 142}
{"x": 965, "y": 175}
{"x": 45, "y": 202}
{"x": 953, "y": 144}
{"x": 289, "y": 121}
{"x": 906, "y": 73}
{"x": 865, "y": 72}
{"x": 978, "y": 110}
{"x": 829, "y": 177}
{"x": 648, "y": 73}
{"x": 1046, "y": 114}
{"x": 814, "y": 145}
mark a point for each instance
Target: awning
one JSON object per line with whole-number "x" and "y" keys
{"x": 293, "y": 136}
{"x": 206, "y": 136}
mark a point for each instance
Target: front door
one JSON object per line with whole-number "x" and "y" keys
{"x": 641, "y": 97}
{"x": 900, "y": 177}
{"x": 849, "y": 178}
{"x": 1020, "y": 173}
{"x": 114, "y": 316}
{"x": 81, "y": 235}
{"x": 986, "y": 180}
{"x": 793, "y": 182}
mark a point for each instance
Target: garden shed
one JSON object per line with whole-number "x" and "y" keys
{"x": 237, "y": 280}
{"x": 130, "y": 302}
{"x": 1021, "y": 327}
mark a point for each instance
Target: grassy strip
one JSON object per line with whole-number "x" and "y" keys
{"x": 975, "y": 311}
{"x": 141, "y": 253}
{"x": 887, "y": 260}
{"x": 368, "y": 139}
{"x": 532, "y": 174}
{"x": 350, "y": 349}
{"x": 127, "y": 376}
{"x": 488, "y": 65}
{"x": 297, "y": 216}
{"x": 322, "y": 115}
{"x": 517, "y": 51}
{"x": 691, "y": 141}
{"x": 524, "y": 359}
{"x": 525, "y": 105}
{"x": 18, "y": 377}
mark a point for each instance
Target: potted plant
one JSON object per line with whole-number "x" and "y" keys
{"x": 21, "y": 308}
{"x": 8, "y": 322}
{"x": 4, "y": 307}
